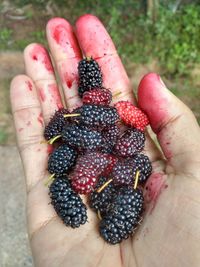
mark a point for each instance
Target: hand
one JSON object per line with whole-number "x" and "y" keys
{"x": 170, "y": 232}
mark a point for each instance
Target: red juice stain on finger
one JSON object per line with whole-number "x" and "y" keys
{"x": 70, "y": 77}
{"x": 30, "y": 86}
{"x": 68, "y": 80}
{"x": 153, "y": 188}
{"x": 47, "y": 63}
{"x": 49, "y": 149}
{"x": 60, "y": 34}
{"x": 63, "y": 34}
{"x": 96, "y": 34}
{"x": 40, "y": 54}
{"x": 167, "y": 151}
{"x": 69, "y": 83}
{"x": 166, "y": 143}
{"x": 28, "y": 123}
{"x": 40, "y": 119}
{"x": 55, "y": 94}
{"x": 20, "y": 129}
{"x": 42, "y": 95}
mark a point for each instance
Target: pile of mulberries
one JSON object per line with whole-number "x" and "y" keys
{"x": 93, "y": 156}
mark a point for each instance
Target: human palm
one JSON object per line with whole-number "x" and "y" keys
{"x": 170, "y": 232}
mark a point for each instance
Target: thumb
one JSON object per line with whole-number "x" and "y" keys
{"x": 173, "y": 122}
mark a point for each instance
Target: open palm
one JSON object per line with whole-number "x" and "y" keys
{"x": 170, "y": 231}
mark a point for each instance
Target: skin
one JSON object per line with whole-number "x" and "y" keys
{"x": 170, "y": 232}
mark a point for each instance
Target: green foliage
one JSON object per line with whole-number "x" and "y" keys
{"x": 20, "y": 44}
{"x": 5, "y": 38}
{"x": 21, "y": 3}
{"x": 3, "y": 136}
{"x": 177, "y": 39}
{"x": 172, "y": 38}
{"x": 38, "y": 36}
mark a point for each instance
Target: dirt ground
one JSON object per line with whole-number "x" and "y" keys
{"x": 14, "y": 246}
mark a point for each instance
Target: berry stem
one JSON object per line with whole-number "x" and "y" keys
{"x": 88, "y": 58}
{"x": 104, "y": 185}
{"x": 71, "y": 115}
{"x": 116, "y": 94}
{"x": 136, "y": 179}
{"x": 52, "y": 140}
{"x": 99, "y": 215}
{"x": 43, "y": 142}
{"x": 49, "y": 179}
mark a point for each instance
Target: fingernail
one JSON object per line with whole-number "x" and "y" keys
{"x": 161, "y": 81}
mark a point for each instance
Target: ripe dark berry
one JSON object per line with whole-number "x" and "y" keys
{"x": 88, "y": 168}
{"x": 110, "y": 135}
{"x": 62, "y": 159}
{"x": 97, "y": 96}
{"x": 94, "y": 115}
{"x": 130, "y": 143}
{"x": 82, "y": 137}
{"x": 142, "y": 163}
{"x": 90, "y": 75}
{"x": 67, "y": 204}
{"x": 56, "y": 124}
{"x": 123, "y": 216}
{"x": 100, "y": 201}
{"x": 124, "y": 172}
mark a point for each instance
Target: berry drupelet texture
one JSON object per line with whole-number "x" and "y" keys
{"x": 87, "y": 170}
{"x": 100, "y": 200}
{"x": 142, "y": 163}
{"x": 110, "y": 136}
{"x": 56, "y": 124}
{"x": 62, "y": 159}
{"x": 90, "y": 75}
{"x": 130, "y": 143}
{"x": 124, "y": 172}
{"x": 132, "y": 115}
{"x": 123, "y": 215}
{"x": 97, "y": 96}
{"x": 82, "y": 137}
{"x": 95, "y": 115}
{"x": 67, "y": 204}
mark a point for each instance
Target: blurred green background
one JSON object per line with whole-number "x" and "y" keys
{"x": 152, "y": 35}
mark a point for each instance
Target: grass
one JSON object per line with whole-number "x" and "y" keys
{"x": 3, "y": 136}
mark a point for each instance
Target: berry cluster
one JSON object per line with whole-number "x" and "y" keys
{"x": 92, "y": 156}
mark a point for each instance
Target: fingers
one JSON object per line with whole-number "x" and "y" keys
{"x": 29, "y": 126}
{"x": 173, "y": 122}
{"x": 66, "y": 54}
{"x": 39, "y": 67}
{"x": 96, "y": 42}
